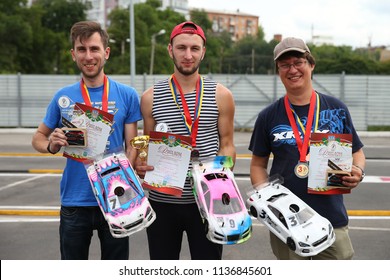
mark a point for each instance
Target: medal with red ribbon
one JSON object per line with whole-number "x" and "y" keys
{"x": 190, "y": 123}
{"x": 301, "y": 170}
{"x": 87, "y": 98}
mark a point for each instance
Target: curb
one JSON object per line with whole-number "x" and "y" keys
{"x": 30, "y": 210}
{"x": 13, "y": 154}
{"x": 35, "y": 171}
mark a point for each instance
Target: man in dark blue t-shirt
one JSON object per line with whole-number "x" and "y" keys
{"x": 278, "y": 126}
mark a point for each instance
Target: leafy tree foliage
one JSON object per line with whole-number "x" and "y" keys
{"x": 15, "y": 36}
{"x": 60, "y": 15}
{"x": 35, "y": 40}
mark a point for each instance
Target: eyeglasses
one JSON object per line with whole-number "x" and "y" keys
{"x": 297, "y": 65}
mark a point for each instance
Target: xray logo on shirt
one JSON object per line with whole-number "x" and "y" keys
{"x": 283, "y": 134}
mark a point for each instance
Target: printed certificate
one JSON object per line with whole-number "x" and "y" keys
{"x": 97, "y": 124}
{"x": 170, "y": 155}
{"x": 330, "y": 159}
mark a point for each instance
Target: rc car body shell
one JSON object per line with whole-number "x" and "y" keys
{"x": 220, "y": 203}
{"x": 120, "y": 195}
{"x": 291, "y": 219}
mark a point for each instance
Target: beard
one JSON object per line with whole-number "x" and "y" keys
{"x": 186, "y": 71}
{"x": 91, "y": 75}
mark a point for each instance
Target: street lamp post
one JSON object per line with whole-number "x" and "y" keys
{"x": 153, "y": 40}
{"x": 132, "y": 43}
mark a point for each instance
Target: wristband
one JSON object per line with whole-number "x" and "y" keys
{"x": 363, "y": 174}
{"x": 48, "y": 149}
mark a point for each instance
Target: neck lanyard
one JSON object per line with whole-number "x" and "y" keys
{"x": 87, "y": 98}
{"x": 316, "y": 116}
{"x": 191, "y": 124}
{"x": 302, "y": 147}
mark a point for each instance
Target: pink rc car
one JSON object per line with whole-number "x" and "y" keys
{"x": 226, "y": 219}
{"x": 120, "y": 196}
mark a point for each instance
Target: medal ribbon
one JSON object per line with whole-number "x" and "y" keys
{"x": 87, "y": 98}
{"x": 316, "y": 117}
{"x": 302, "y": 147}
{"x": 191, "y": 124}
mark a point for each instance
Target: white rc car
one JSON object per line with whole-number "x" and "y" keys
{"x": 293, "y": 221}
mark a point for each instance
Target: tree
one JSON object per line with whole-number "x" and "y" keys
{"x": 119, "y": 42}
{"x": 250, "y": 55}
{"x": 16, "y": 36}
{"x": 60, "y": 15}
{"x": 57, "y": 18}
{"x": 332, "y": 59}
{"x": 200, "y": 18}
{"x": 35, "y": 40}
{"x": 148, "y": 21}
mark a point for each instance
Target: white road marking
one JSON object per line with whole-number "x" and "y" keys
{"x": 22, "y": 182}
{"x": 24, "y": 174}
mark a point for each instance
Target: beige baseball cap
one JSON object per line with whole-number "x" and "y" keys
{"x": 290, "y": 44}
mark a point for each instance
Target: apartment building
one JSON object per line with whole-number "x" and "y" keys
{"x": 237, "y": 23}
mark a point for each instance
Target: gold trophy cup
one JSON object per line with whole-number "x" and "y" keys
{"x": 140, "y": 143}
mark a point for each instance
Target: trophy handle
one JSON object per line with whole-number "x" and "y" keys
{"x": 140, "y": 143}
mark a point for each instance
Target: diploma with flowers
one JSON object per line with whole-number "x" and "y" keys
{"x": 330, "y": 160}
{"x": 170, "y": 155}
{"x": 97, "y": 124}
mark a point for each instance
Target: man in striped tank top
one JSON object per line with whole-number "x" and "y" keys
{"x": 186, "y": 98}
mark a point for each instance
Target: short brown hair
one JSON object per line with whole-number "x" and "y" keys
{"x": 85, "y": 29}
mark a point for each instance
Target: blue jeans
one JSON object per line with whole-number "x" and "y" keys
{"x": 76, "y": 229}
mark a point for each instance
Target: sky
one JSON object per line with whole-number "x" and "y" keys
{"x": 339, "y": 22}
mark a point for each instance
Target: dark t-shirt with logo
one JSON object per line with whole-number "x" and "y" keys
{"x": 273, "y": 134}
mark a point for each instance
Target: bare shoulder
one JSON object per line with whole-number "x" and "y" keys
{"x": 222, "y": 90}
{"x": 147, "y": 93}
{"x": 223, "y": 95}
{"x": 147, "y": 96}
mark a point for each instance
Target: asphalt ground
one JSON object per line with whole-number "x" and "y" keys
{"x": 35, "y": 203}
{"x": 17, "y": 142}
{"x": 15, "y": 145}
{"x": 21, "y": 138}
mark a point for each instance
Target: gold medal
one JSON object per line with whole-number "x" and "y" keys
{"x": 301, "y": 170}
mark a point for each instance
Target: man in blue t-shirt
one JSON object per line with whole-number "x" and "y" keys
{"x": 80, "y": 213}
{"x": 276, "y": 131}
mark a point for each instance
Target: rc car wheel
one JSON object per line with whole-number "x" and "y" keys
{"x": 291, "y": 244}
{"x": 206, "y": 226}
{"x": 253, "y": 211}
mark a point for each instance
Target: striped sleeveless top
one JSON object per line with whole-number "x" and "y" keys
{"x": 166, "y": 111}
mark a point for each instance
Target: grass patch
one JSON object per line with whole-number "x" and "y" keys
{"x": 378, "y": 128}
